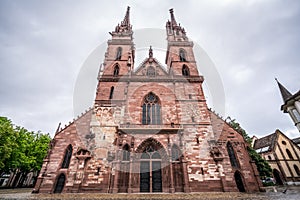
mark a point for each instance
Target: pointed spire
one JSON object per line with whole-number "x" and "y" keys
{"x": 125, "y": 26}
{"x": 173, "y": 21}
{"x": 284, "y": 92}
{"x": 126, "y": 20}
{"x": 150, "y": 52}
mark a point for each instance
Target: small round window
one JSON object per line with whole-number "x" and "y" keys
{"x": 283, "y": 142}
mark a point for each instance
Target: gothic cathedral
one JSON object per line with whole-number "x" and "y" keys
{"x": 150, "y": 129}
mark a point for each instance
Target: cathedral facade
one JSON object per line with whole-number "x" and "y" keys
{"x": 150, "y": 129}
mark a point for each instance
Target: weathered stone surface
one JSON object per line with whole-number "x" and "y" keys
{"x": 149, "y": 131}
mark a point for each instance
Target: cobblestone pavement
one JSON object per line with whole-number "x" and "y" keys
{"x": 292, "y": 193}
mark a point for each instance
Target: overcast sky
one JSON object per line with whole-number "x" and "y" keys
{"x": 43, "y": 45}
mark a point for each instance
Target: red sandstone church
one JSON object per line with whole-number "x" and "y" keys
{"x": 150, "y": 129}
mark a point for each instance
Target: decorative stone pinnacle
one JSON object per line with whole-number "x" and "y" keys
{"x": 173, "y": 21}
{"x": 150, "y": 52}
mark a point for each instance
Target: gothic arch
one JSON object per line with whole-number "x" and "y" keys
{"x": 60, "y": 183}
{"x": 157, "y": 146}
{"x": 152, "y": 159}
{"x": 119, "y": 53}
{"x": 238, "y": 177}
{"x": 151, "y": 109}
{"x": 182, "y": 55}
{"x": 116, "y": 70}
{"x": 185, "y": 71}
{"x": 67, "y": 157}
{"x": 289, "y": 154}
{"x": 232, "y": 157}
{"x": 297, "y": 170}
{"x": 278, "y": 177}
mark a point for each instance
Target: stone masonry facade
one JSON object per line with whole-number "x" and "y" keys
{"x": 150, "y": 129}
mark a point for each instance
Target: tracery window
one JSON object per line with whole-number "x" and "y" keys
{"x": 182, "y": 55}
{"x": 151, "y": 110}
{"x": 232, "y": 157}
{"x": 185, "y": 71}
{"x": 67, "y": 157}
{"x": 119, "y": 53}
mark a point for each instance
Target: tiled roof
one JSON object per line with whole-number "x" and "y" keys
{"x": 266, "y": 143}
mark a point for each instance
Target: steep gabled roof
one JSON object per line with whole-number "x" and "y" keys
{"x": 266, "y": 143}
{"x": 284, "y": 92}
{"x": 151, "y": 61}
{"x": 269, "y": 142}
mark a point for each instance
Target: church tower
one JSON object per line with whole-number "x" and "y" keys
{"x": 150, "y": 129}
{"x": 291, "y": 104}
{"x": 180, "y": 57}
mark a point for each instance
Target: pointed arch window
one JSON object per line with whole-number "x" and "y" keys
{"x": 111, "y": 94}
{"x": 119, "y": 53}
{"x": 289, "y": 154}
{"x": 116, "y": 70}
{"x": 60, "y": 183}
{"x": 297, "y": 170}
{"x": 126, "y": 152}
{"x": 182, "y": 55}
{"x": 67, "y": 157}
{"x": 151, "y": 110}
{"x": 232, "y": 157}
{"x": 185, "y": 71}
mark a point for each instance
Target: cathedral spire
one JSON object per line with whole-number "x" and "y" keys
{"x": 173, "y": 21}
{"x": 125, "y": 26}
{"x": 126, "y": 20}
{"x": 284, "y": 92}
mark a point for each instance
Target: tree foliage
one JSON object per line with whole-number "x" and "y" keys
{"x": 262, "y": 165}
{"x": 21, "y": 149}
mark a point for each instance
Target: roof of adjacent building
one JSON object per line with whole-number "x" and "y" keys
{"x": 268, "y": 142}
{"x": 284, "y": 92}
{"x": 296, "y": 140}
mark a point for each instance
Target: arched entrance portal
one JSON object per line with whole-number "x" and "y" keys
{"x": 277, "y": 177}
{"x": 153, "y": 160}
{"x": 60, "y": 183}
{"x": 239, "y": 181}
{"x": 150, "y": 171}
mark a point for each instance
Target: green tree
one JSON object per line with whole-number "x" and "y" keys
{"x": 21, "y": 151}
{"x": 7, "y": 142}
{"x": 262, "y": 165}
